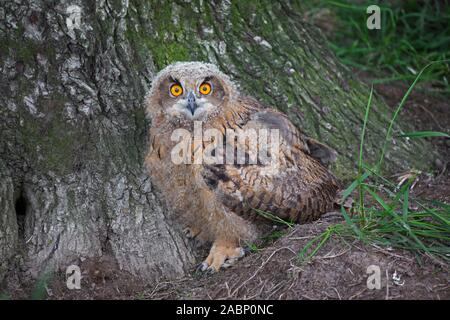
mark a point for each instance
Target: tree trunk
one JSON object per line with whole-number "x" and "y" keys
{"x": 73, "y": 131}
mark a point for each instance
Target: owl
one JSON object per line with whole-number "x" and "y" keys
{"x": 224, "y": 203}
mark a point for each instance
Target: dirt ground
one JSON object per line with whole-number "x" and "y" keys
{"x": 338, "y": 271}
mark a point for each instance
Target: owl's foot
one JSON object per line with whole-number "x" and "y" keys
{"x": 221, "y": 256}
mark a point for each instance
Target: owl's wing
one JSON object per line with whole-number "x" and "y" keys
{"x": 297, "y": 187}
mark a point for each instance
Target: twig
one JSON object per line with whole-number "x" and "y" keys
{"x": 387, "y": 285}
{"x": 335, "y": 255}
{"x": 442, "y": 171}
{"x": 260, "y": 268}
{"x": 431, "y": 115}
{"x": 301, "y": 238}
{"x": 339, "y": 296}
{"x": 275, "y": 289}
{"x": 390, "y": 253}
{"x": 357, "y": 294}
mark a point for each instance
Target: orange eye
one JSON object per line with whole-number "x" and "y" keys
{"x": 176, "y": 90}
{"x": 205, "y": 88}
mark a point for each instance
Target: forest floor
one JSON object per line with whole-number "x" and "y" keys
{"x": 337, "y": 271}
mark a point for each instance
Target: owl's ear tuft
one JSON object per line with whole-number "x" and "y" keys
{"x": 321, "y": 152}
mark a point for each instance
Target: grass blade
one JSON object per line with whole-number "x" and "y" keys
{"x": 360, "y": 160}
{"x": 399, "y": 108}
{"x": 424, "y": 134}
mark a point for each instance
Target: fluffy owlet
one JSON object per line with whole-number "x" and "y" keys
{"x": 223, "y": 202}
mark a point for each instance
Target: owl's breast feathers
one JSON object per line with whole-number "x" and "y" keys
{"x": 300, "y": 189}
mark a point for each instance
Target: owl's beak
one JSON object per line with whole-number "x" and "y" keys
{"x": 192, "y": 105}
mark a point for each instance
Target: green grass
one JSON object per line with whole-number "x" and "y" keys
{"x": 400, "y": 107}
{"x": 39, "y": 291}
{"x": 270, "y": 216}
{"x": 412, "y": 35}
{"x": 383, "y": 210}
{"x": 272, "y": 236}
{"x": 5, "y": 296}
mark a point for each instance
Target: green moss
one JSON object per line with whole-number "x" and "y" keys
{"x": 52, "y": 143}
{"x": 70, "y": 196}
{"x": 166, "y": 44}
{"x": 25, "y": 50}
{"x": 51, "y": 150}
{"x": 25, "y": 53}
{"x": 172, "y": 52}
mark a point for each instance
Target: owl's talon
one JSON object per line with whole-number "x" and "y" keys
{"x": 247, "y": 250}
{"x": 210, "y": 270}
{"x": 202, "y": 267}
{"x": 242, "y": 252}
{"x": 190, "y": 233}
{"x": 229, "y": 263}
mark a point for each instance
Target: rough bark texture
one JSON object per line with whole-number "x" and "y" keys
{"x": 74, "y": 134}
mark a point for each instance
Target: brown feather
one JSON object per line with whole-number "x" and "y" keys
{"x": 302, "y": 190}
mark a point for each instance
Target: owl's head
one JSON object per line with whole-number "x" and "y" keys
{"x": 190, "y": 91}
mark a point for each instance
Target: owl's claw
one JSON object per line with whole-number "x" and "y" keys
{"x": 247, "y": 250}
{"x": 210, "y": 271}
{"x": 229, "y": 263}
{"x": 202, "y": 267}
{"x": 205, "y": 269}
{"x": 190, "y": 232}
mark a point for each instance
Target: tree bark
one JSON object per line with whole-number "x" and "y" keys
{"x": 74, "y": 134}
